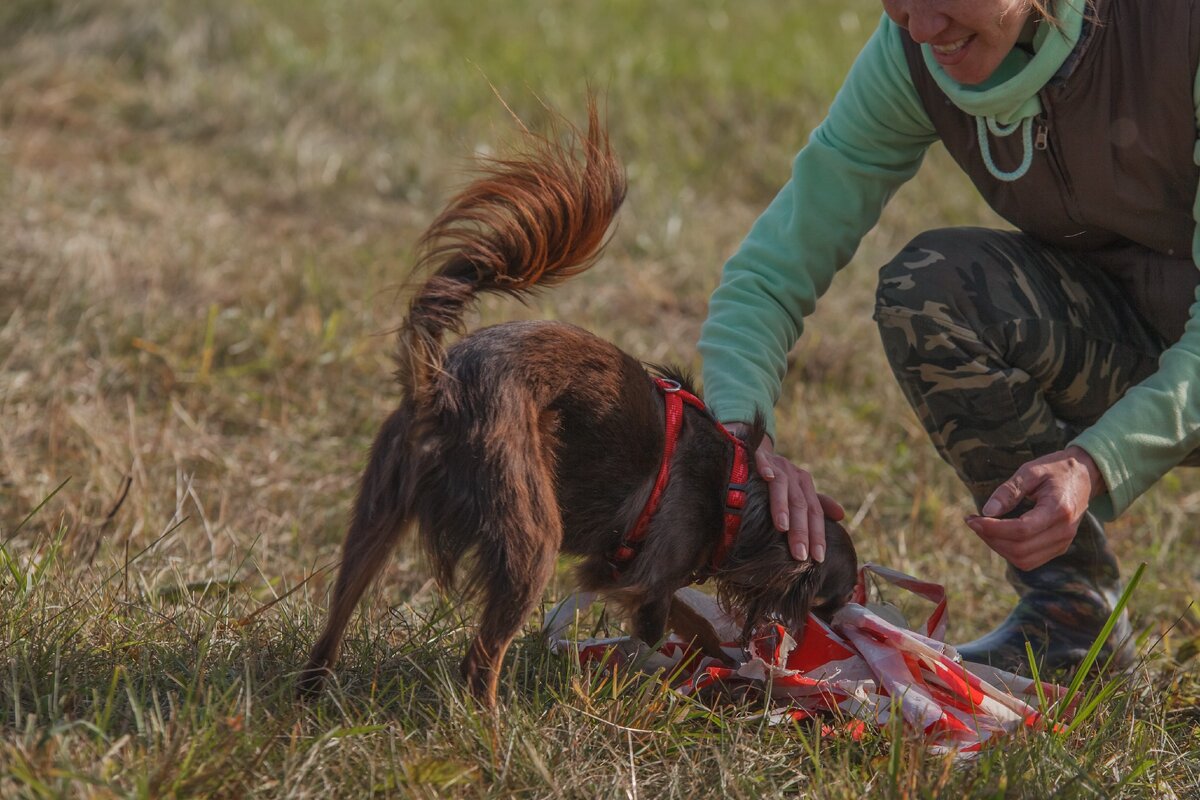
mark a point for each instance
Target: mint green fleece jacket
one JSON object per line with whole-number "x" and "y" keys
{"x": 873, "y": 140}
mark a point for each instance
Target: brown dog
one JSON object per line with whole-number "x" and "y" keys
{"x": 528, "y": 439}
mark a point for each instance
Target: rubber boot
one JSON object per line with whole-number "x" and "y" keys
{"x": 1062, "y": 607}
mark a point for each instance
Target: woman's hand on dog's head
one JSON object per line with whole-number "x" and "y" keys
{"x": 796, "y": 505}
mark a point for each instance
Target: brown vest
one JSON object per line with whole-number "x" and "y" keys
{"x": 1113, "y": 165}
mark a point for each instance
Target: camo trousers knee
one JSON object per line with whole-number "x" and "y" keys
{"x": 1005, "y": 347}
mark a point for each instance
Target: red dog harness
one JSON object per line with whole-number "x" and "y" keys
{"x": 674, "y": 398}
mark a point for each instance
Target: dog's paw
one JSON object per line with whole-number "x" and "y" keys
{"x": 311, "y": 680}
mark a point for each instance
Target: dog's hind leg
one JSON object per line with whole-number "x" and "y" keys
{"x": 509, "y": 599}
{"x": 380, "y": 516}
{"x": 521, "y": 534}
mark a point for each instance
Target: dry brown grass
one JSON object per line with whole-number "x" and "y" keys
{"x": 205, "y": 215}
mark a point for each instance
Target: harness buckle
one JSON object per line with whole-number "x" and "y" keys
{"x": 735, "y": 497}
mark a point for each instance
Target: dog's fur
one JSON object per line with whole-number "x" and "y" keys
{"x": 527, "y": 439}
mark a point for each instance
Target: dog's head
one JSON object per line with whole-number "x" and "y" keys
{"x": 760, "y": 580}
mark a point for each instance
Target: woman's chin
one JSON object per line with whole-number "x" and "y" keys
{"x": 968, "y": 74}
{"x": 971, "y": 64}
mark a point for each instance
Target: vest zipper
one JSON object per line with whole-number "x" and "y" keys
{"x": 1043, "y": 133}
{"x": 1043, "y": 141}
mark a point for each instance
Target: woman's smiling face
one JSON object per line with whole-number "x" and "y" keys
{"x": 969, "y": 38}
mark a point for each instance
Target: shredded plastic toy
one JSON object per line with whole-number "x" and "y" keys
{"x": 862, "y": 667}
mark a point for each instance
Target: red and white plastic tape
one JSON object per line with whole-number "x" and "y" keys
{"x": 861, "y": 668}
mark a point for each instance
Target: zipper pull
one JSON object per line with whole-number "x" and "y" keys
{"x": 1040, "y": 139}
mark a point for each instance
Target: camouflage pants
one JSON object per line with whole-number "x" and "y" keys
{"x": 1006, "y": 347}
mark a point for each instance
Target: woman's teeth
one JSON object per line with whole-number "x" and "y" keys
{"x": 953, "y": 47}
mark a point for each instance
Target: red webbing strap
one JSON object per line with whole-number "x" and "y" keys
{"x": 735, "y": 499}
{"x": 673, "y": 400}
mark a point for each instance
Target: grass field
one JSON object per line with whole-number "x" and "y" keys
{"x": 206, "y": 210}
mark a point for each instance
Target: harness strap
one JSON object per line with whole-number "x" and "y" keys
{"x": 674, "y": 398}
{"x": 735, "y": 501}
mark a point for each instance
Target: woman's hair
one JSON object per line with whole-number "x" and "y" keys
{"x": 1042, "y": 7}
{"x": 1045, "y": 9}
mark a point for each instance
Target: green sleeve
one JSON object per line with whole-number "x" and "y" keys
{"x": 871, "y": 142}
{"x": 1157, "y": 423}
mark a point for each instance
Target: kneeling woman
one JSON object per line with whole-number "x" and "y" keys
{"x": 1056, "y": 366}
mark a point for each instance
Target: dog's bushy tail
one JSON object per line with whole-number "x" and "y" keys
{"x": 525, "y": 223}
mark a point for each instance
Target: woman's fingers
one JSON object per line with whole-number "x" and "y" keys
{"x": 796, "y": 506}
{"x": 1043, "y": 517}
{"x": 1030, "y": 552}
{"x": 832, "y": 508}
{"x": 762, "y": 460}
{"x": 1025, "y": 482}
{"x": 1042, "y": 533}
{"x": 779, "y": 495}
{"x": 1060, "y": 485}
{"x": 798, "y": 527}
{"x": 815, "y": 517}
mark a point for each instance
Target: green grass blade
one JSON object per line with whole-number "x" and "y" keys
{"x": 36, "y": 509}
{"x": 1090, "y": 659}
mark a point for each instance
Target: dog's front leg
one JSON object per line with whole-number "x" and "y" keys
{"x": 650, "y": 619}
{"x": 689, "y": 625}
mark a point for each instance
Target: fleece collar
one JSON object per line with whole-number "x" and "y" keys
{"x": 1011, "y": 94}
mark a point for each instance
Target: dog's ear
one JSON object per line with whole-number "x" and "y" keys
{"x": 839, "y": 571}
{"x": 777, "y": 587}
{"x": 756, "y": 433}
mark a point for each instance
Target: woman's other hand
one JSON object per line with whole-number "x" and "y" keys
{"x": 1060, "y": 485}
